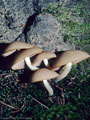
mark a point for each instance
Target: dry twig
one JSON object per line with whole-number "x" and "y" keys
{"x": 39, "y": 103}
{"x": 18, "y": 109}
{"x": 8, "y": 105}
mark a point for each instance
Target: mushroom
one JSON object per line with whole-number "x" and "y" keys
{"x": 43, "y": 56}
{"x": 44, "y": 74}
{"x": 66, "y": 59}
{"x": 17, "y": 60}
{"x": 12, "y": 47}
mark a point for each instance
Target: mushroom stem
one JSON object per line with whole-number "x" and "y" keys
{"x": 29, "y": 64}
{"x": 48, "y": 87}
{"x": 64, "y": 72}
{"x": 46, "y": 63}
{"x": 46, "y": 83}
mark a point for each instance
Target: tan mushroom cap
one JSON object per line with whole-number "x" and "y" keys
{"x": 65, "y": 57}
{"x": 18, "y": 60}
{"x": 43, "y": 74}
{"x": 12, "y": 47}
{"x": 43, "y": 55}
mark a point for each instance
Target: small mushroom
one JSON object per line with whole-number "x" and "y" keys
{"x": 44, "y": 74}
{"x": 66, "y": 59}
{"x": 12, "y": 47}
{"x": 43, "y": 56}
{"x": 17, "y": 62}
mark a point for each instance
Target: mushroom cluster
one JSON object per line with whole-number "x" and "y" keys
{"x": 43, "y": 64}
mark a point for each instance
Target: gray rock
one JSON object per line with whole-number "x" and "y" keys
{"x": 45, "y": 33}
{"x": 16, "y": 23}
{"x": 13, "y": 16}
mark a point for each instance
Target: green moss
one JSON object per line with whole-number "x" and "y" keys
{"x": 77, "y": 98}
{"x": 75, "y": 25}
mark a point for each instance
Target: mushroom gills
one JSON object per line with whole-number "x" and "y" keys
{"x": 48, "y": 87}
{"x": 64, "y": 72}
{"x": 29, "y": 64}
